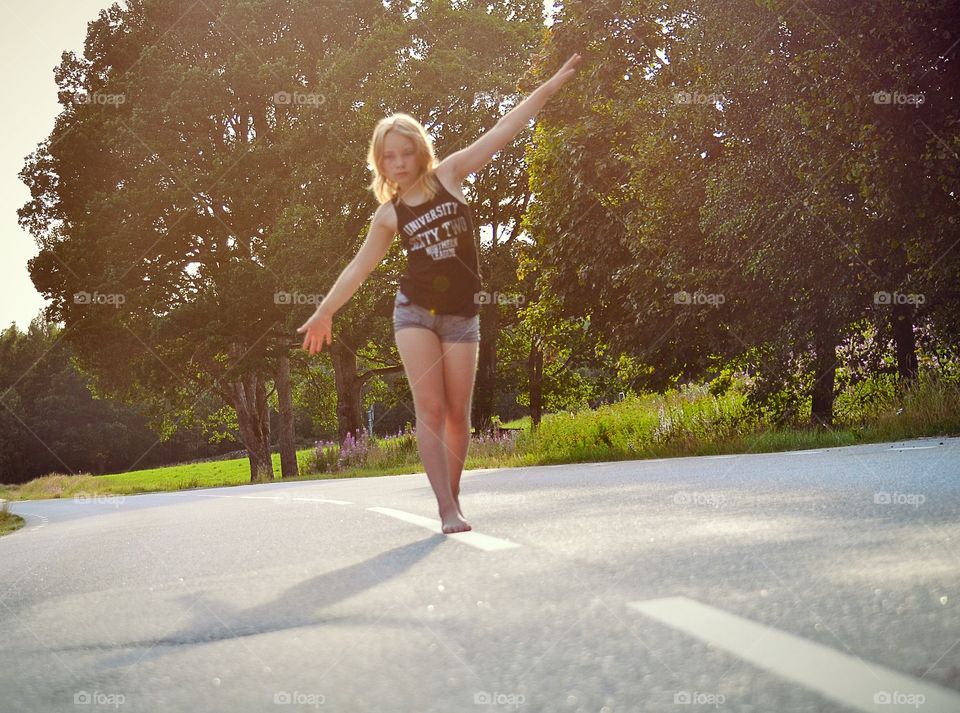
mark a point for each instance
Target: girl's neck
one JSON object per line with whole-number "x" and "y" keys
{"x": 404, "y": 193}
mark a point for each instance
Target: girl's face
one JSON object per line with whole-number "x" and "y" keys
{"x": 399, "y": 159}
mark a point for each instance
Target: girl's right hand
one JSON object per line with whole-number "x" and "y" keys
{"x": 563, "y": 74}
{"x": 319, "y": 329}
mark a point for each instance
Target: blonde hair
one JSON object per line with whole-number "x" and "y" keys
{"x": 405, "y": 125}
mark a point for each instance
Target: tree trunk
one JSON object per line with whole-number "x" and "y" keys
{"x": 287, "y": 436}
{"x": 825, "y": 371}
{"x": 248, "y": 396}
{"x": 349, "y": 418}
{"x": 535, "y": 377}
{"x": 485, "y": 392}
{"x": 901, "y": 320}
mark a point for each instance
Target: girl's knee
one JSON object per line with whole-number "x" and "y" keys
{"x": 458, "y": 416}
{"x": 432, "y": 413}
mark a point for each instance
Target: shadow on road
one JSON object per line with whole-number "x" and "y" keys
{"x": 297, "y": 607}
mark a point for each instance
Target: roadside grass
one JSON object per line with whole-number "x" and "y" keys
{"x": 685, "y": 422}
{"x": 8, "y": 521}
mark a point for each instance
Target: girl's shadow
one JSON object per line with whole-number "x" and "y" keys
{"x": 294, "y": 608}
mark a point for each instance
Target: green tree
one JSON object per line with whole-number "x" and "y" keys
{"x": 720, "y": 152}
{"x": 454, "y": 67}
{"x": 156, "y": 191}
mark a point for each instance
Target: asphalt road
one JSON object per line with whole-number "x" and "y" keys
{"x": 808, "y": 581}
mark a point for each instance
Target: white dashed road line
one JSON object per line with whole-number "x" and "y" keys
{"x": 285, "y": 498}
{"x": 27, "y": 527}
{"x": 862, "y": 685}
{"x": 323, "y": 500}
{"x": 476, "y": 539}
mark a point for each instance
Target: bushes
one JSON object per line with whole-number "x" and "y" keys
{"x": 326, "y": 456}
{"x": 928, "y": 407}
{"x": 366, "y": 452}
{"x": 699, "y": 420}
{"x": 693, "y": 420}
{"x": 865, "y": 400}
{"x": 641, "y": 426}
{"x": 400, "y": 450}
{"x": 494, "y": 444}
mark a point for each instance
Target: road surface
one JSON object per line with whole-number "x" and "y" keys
{"x": 821, "y": 580}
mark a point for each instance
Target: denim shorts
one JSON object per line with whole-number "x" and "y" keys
{"x": 449, "y": 327}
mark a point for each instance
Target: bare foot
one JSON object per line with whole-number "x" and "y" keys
{"x": 454, "y": 522}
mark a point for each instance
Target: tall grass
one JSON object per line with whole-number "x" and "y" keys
{"x": 8, "y": 521}
{"x": 681, "y": 421}
{"x": 691, "y": 421}
{"x": 930, "y": 407}
{"x": 398, "y": 451}
{"x": 687, "y": 421}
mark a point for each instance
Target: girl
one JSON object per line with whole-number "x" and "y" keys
{"x": 436, "y": 316}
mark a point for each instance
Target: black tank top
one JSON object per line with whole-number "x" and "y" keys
{"x": 443, "y": 269}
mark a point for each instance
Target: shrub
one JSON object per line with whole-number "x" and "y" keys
{"x": 353, "y": 451}
{"x": 325, "y": 457}
{"x": 495, "y": 443}
{"x": 393, "y": 451}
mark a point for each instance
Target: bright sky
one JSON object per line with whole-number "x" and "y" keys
{"x": 32, "y": 37}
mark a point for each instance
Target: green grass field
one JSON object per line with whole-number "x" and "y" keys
{"x": 688, "y": 422}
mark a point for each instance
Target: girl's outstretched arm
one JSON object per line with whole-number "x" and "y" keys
{"x": 319, "y": 328}
{"x": 478, "y": 154}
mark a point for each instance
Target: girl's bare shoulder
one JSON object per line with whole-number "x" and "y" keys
{"x": 386, "y": 215}
{"x": 444, "y": 174}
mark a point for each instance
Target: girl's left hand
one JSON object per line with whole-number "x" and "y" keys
{"x": 553, "y": 84}
{"x": 319, "y": 329}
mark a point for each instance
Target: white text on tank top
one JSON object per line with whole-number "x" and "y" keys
{"x": 439, "y": 242}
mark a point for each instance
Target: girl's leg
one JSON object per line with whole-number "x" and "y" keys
{"x": 422, "y": 357}
{"x": 459, "y": 371}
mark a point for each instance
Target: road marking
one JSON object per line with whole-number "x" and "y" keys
{"x": 478, "y": 540}
{"x": 914, "y": 448}
{"x": 801, "y": 453}
{"x": 285, "y": 498}
{"x": 216, "y": 495}
{"x": 27, "y": 527}
{"x": 859, "y": 684}
{"x": 324, "y": 500}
